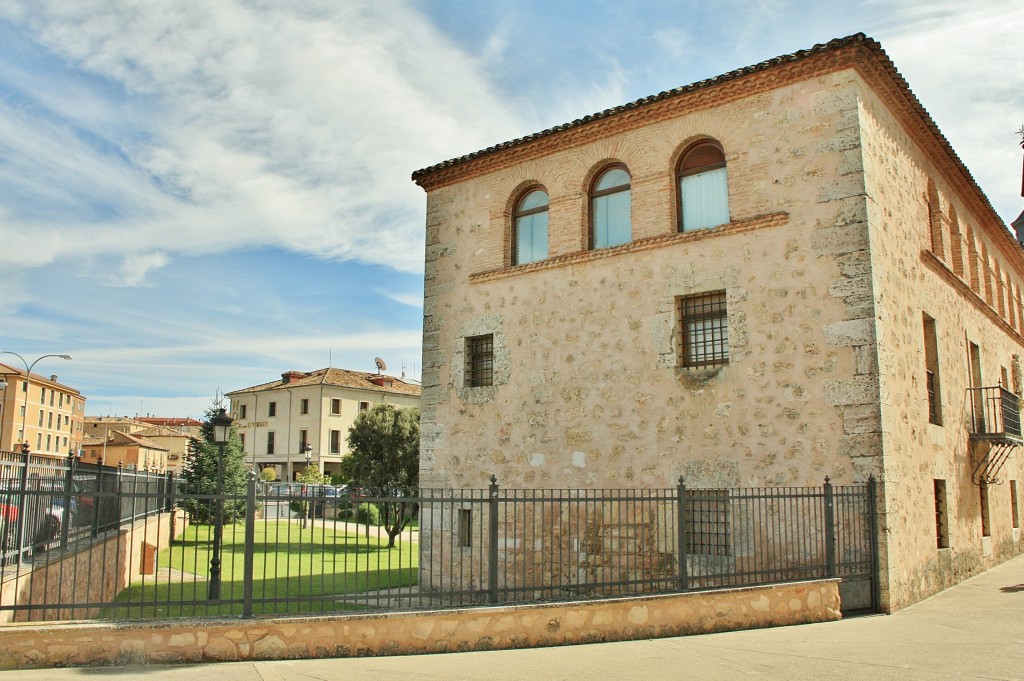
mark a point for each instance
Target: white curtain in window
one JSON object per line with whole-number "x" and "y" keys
{"x": 611, "y": 220}
{"x": 705, "y": 199}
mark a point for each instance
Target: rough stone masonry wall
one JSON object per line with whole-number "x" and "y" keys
{"x": 908, "y": 283}
{"x": 79, "y": 644}
{"x": 586, "y": 389}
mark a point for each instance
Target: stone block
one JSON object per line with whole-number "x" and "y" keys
{"x": 851, "y": 332}
{"x": 839, "y": 239}
{"x": 844, "y": 392}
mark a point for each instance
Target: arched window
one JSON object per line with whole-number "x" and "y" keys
{"x": 703, "y": 187}
{"x": 609, "y": 209}
{"x": 530, "y": 228}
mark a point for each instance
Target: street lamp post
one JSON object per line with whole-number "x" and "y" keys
{"x": 307, "y": 449}
{"x": 221, "y": 423}
{"x": 28, "y": 378}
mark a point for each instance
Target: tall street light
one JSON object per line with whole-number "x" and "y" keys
{"x": 307, "y": 449}
{"x": 221, "y": 423}
{"x": 28, "y": 378}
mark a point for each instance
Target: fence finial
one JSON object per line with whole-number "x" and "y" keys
{"x": 827, "y": 479}
{"x": 494, "y": 479}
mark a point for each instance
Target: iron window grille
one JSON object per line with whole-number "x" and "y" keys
{"x": 707, "y": 522}
{"x": 933, "y": 405}
{"x": 480, "y": 361}
{"x": 703, "y": 330}
{"x": 941, "y": 518}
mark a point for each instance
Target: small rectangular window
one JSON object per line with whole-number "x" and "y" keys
{"x": 465, "y": 528}
{"x": 270, "y": 442}
{"x": 303, "y": 439}
{"x": 703, "y": 331}
{"x": 941, "y": 516}
{"x": 364, "y": 406}
{"x": 480, "y": 361}
{"x": 241, "y": 438}
{"x": 242, "y": 411}
{"x": 986, "y": 525}
{"x": 931, "y": 368}
{"x": 304, "y": 406}
{"x": 42, "y": 396}
{"x": 707, "y": 522}
{"x": 1014, "y": 507}
{"x": 335, "y": 442}
{"x": 272, "y": 409}
{"x": 335, "y": 406}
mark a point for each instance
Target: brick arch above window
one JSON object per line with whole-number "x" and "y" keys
{"x": 610, "y": 206}
{"x": 528, "y": 226}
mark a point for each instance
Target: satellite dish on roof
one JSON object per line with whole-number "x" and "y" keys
{"x": 381, "y": 366}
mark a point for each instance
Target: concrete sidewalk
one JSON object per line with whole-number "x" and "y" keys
{"x": 972, "y": 631}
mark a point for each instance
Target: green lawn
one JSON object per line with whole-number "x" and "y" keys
{"x": 294, "y": 571}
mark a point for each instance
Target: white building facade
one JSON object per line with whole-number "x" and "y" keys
{"x": 278, "y": 421}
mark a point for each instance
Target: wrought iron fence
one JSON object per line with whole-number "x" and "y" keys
{"x": 47, "y": 503}
{"x": 290, "y": 549}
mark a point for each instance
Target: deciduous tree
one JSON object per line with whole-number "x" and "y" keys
{"x": 385, "y": 458}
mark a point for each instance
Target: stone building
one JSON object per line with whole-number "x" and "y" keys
{"x": 278, "y": 420}
{"x": 761, "y": 279}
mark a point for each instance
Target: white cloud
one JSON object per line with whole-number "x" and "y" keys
{"x": 292, "y": 125}
{"x": 962, "y": 60}
{"x": 410, "y": 299}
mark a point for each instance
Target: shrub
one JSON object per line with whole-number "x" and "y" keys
{"x": 366, "y": 514}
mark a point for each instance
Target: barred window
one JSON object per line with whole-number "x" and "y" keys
{"x": 703, "y": 330}
{"x": 480, "y": 361}
{"x": 707, "y": 522}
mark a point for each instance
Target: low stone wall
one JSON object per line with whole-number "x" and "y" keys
{"x": 96, "y": 573}
{"x": 83, "y": 643}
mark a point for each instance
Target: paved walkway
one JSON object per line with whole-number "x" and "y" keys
{"x": 972, "y": 631}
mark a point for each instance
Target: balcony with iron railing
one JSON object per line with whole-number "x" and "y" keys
{"x": 995, "y": 415}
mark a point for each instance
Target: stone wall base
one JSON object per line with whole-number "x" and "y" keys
{"x": 91, "y": 643}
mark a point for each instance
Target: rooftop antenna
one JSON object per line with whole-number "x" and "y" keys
{"x": 381, "y": 366}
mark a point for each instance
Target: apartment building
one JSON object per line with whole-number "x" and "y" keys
{"x": 39, "y": 411}
{"x": 302, "y": 414}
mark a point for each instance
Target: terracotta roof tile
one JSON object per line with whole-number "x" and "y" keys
{"x": 338, "y": 377}
{"x": 857, "y": 39}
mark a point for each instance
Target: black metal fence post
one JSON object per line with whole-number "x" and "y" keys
{"x": 492, "y": 543}
{"x": 96, "y": 500}
{"x": 22, "y": 507}
{"x": 67, "y": 516}
{"x": 830, "y": 530}
{"x": 250, "y": 544}
{"x": 118, "y": 489}
{"x": 876, "y": 581}
{"x": 684, "y": 578}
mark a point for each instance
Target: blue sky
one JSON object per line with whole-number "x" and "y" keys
{"x": 198, "y": 196}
